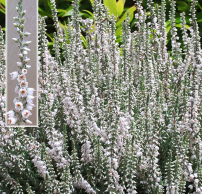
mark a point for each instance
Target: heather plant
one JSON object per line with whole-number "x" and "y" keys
{"x": 112, "y": 118}
{"x": 23, "y": 103}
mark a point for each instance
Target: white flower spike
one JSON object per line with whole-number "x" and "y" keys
{"x": 24, "y": 102}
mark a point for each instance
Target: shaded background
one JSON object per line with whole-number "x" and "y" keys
{"x": 64, "y": 8}
{"x": 13, "y": 51}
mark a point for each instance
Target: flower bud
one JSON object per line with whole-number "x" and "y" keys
{"x": 22, "y": 26}
{"x": 26, "y": 49}
{"x": 20, "y": 55}
{"x": 16, "y": 18}
{"x": 28, "y": 121}
{"x": 27, "y": 60}
{"x": 27, "y": 43}
{"x": 24, "y": 52}
{"x": 23, "y": 20}
{"x": 21, "y": 34}
{"x": 24, "y": 12}
{"x": 19, "y": 64}
{"x": 15, "y": 24}
{"x": 15, "y": 39}
{"x": 27, "y": 33}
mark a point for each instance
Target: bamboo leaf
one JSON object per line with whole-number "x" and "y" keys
{"x": 44, "y": 13}
{"x": 2, "y": 6}
{"x": 182, "y": 6}
{"x": 187, "y": 27}
{"x": 131, "y": 11}
{"x": 199, "y": 20}
{"x": 111, "y": 5}
{"x": 168, "y": 28}
{"x": 199, "y": 6}
{"x": 119, "y": 7}
{"x": 3, "y": 2}
{"x": 68, "y": 13}
{"x": 50, "y": 44}
{"x": 118, "y": 31}
{"x": 1, "y": 10}
{"x": 49, "y": 36}
{"x": 84, "y": 41}
{"x": 90, "y": 13}
{"x": 180, "y": 26}
{"x": 167, "y": 23}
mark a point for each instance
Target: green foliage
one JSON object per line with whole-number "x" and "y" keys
{"x": 2, "y": 14}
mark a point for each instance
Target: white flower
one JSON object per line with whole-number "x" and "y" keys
{"x": 18, "y": 106}
{"x": 12, "y": 120}
{"x": 24, "y": 71}
{"x": 158, "y": 179}
{"x": 3, "y": 130}
{"x": 2, "y": 124}
{"x": 30, "y": 91}
{"x": 10, "y": 113}
{"x": 22, "y": 92}
{"x": 21, "y": 55}
{"x": 29, "y": 99}
{"x": 28, "y": 66}
{"x": 190, "y": 186}
{"x": 21, "y": 77}
{"x": 26, "y": 113}
{"x": 24, "y": 84}
{"x": 139, "y": 154}
{"x": 29, "y": 106}
{"x": 19, "y": 64}
{"x": 195, "y": 175}
{"x": 196, "y": 181}
{"x": 14, "y": 75}
{"x": 24, "y": 52}
{"x": 39, "y": 164}
{"x": 116, "y": 164}
{"x": 191, "y": 176}
{"x": 15, "y": 100}
{"x": 27, "y": 60}
{"x": 190, "y": 169}
{"x": 17, "y": 89}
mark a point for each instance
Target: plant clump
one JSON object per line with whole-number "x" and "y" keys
{"x": 112, "y": 118}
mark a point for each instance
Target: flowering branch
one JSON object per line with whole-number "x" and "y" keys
{"x": 23, "y": 103}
